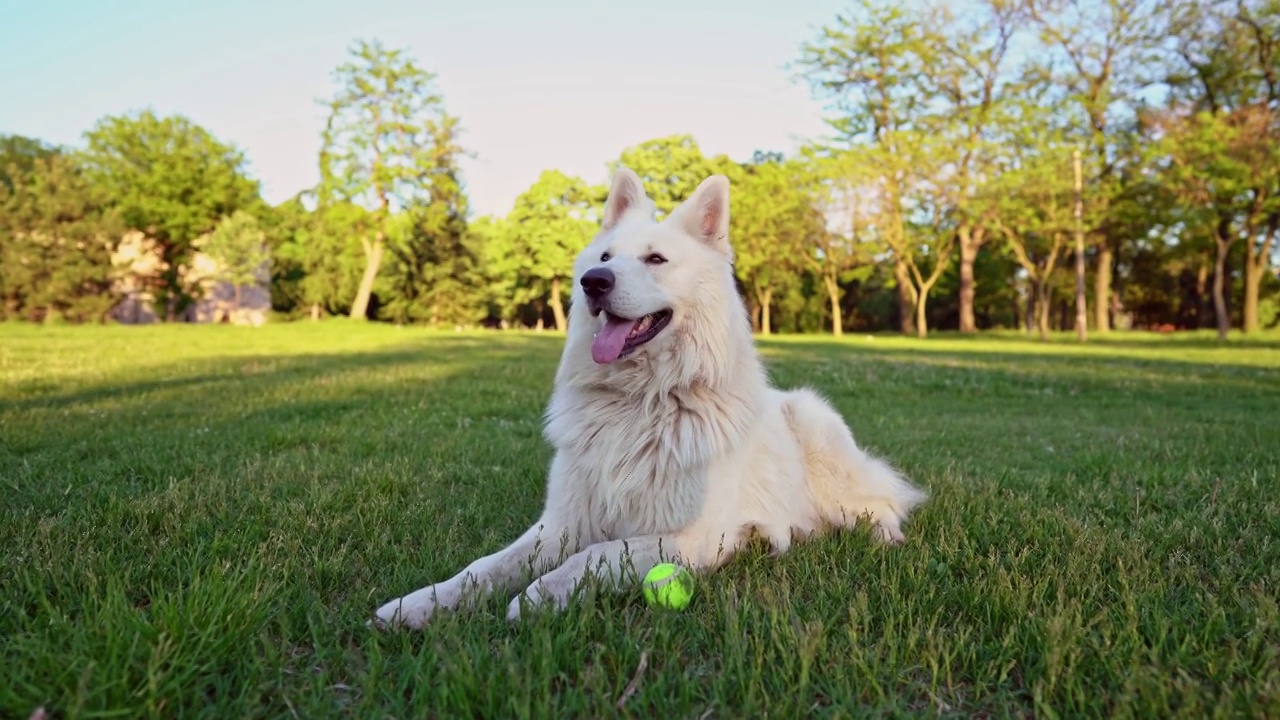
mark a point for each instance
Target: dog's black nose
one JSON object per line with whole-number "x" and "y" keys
{"x": 597, "y": 282}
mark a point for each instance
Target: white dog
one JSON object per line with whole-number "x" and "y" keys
{"x": 670, "y": 445}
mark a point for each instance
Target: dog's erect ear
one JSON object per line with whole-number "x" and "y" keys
{"x": 705, "y": 215}
{"x": 625, "y": 194}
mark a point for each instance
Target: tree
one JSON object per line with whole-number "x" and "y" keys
{"x": 282, "y": 224}
{"x": 18, "y": 156}
{"x": 873, "y": 65}
{"x": 1033, "y": 197}
{"x": 498, "y": 269}
{"x": 774, "y": 222}
{"x": 927, "y": 236}
{"x": 173, "y": 181}
{"x": 550, "y": 223}
{"x": 671, "y": 168}
{"x": 238, "y": 245}
{"x": 1108, "y": 50}
{"x": 1212, "y": 162}
{"x": 56, "y": 238}
{"x": 1222, "y": 133}
{"x": 381, "y": 144}
{"x": 853, "y": 233}
{"x": 432, "y": 277}
{"x": 972, "y": 80}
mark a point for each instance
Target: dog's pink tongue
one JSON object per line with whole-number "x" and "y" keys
{"x": 607, "y": 345}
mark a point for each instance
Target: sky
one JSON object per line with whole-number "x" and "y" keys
{"x": 537, "y": 85}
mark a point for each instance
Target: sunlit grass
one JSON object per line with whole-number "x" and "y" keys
{"x": 198, "y": 520}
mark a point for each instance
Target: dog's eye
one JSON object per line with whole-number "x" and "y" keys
{"x": 655, "y": 259}
{"x": 605, "y": 257}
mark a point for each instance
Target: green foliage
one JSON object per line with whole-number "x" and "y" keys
{"x": 384, "y": 118}
{"x": 943, "y": 199}
{"x": 316, "y": 256}
{"x": 552, "y": 221}
{"x": 56, "y": 238}
{"x": 549, "y": 225}
{"x": 18, "y": 157}
{"x": 1221, "y": 136}
{"x": 390, "y": 145}
{"x": 1269, "y": 308}
{"x": 874, "y": 65}
{"x": 239, "y": 247}
{"x": 671, "y": 168}
{"x": 432, "y": 276}
{"x": 496, "y": 269}
{"x": 774, "y": 222}
{"x": 170, "y": 179}
{"x": 869, "y": 64}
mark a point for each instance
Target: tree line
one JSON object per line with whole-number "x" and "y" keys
{"x": 1033, "y": 164}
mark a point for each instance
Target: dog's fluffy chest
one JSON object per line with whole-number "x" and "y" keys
{"x": 636, "y": 464}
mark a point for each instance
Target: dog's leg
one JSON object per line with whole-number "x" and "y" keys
{"x": 502, "y": 570}
{"x": 845, "y": 481}
{"x": 614, "y": 561}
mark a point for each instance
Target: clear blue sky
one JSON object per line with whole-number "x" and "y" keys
{"x": 536, "y": 84}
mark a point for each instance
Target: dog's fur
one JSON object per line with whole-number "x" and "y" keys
{"x": 679, "y": 450}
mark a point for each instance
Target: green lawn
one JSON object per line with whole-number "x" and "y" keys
{"x": 199, "y": 520}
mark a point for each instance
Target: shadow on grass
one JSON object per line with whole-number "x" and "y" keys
{"x": 171, "y": 420}
{"x": 479, "y": 399}
{"x": 266, "y": 369}
{"x": 351, "y": 388}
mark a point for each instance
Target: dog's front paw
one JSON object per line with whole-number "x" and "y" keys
{"x": 539, "y": 596}
{"x": 412, "y": 611}
{"x": 888, "y": 531}
{"x": 513, "y": 608}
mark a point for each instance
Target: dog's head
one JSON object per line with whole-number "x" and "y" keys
{"x": 642, "y": 285}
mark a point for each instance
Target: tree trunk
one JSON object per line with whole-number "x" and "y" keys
{"x": 315, "y": 311}
{"x": 1252, "y": 283}
{"x": 1082, "y": 313}
{"x": 1033, "y": 306}
{"x": 557, "y": 308}
{"x": 968, "y": 253}
{"x": 922, "y": 321}
{"x": 1202, "y": 294}
{"x": 922, "y": 299}
{"x": 906, "y": 303}
{"x": 833, "y": 291}
{"x": 1044, "y": 301}
{"x": 1256, "y": 260}
{"x": 373, "y": 260}
{"x": 1017, "y": 312}
{"x": 766, "y": 299}
{"x": 1102, "y": 288}
{"x": 1219, "y": 283}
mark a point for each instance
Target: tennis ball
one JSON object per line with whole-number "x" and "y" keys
{"x": 669, "y": 586}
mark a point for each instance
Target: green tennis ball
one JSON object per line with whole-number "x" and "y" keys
{"x": 668, "y": 586}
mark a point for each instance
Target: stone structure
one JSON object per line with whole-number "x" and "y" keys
{"x": 137, "y": 261}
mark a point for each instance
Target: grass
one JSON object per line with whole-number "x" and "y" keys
{"x": 198, "y": 520}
